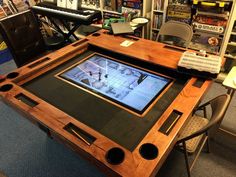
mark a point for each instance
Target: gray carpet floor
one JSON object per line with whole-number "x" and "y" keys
{"x": 25, "y": 151}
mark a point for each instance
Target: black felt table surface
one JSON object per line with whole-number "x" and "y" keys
{"x": 113, "y": 122}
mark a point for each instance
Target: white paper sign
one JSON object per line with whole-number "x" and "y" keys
{"x": 72, "y": 4}
{"x": 126, "y": 43}
{"x": 61, "y": 3}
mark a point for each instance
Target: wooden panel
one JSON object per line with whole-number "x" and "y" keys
{"x": 142, "y": 49}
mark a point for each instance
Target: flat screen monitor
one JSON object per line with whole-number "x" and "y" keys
{"x": 124, "y": 85}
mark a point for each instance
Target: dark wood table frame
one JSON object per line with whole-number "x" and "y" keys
{"x": 53, "y": 120}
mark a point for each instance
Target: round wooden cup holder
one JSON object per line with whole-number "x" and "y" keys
{"x": 115, "y": 156}
{"x": 148, "y": 151}
{"x": 12, "y": 75}
{"x": 2, "y": 79}
{"x": 6, "y": 87}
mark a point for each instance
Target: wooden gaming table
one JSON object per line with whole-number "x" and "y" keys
{"x": 118, "y": 140}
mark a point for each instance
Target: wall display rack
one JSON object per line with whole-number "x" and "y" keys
{"x": 165, "y": 10}
{"x": 228, "y": 50}
{"x": 127, "y": 9}
{"x": 209, "y": 24}
{"x": 212, "y": 21}
{"x": 158, "y": 16}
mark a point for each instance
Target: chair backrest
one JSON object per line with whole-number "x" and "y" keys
{"x": 22, "y": 35}
{"x": 219, "y": 106}
{"x": 177, "y": 29}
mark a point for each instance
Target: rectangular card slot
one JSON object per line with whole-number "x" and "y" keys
{"x": 79, "y": 42}
{"x": 199, "y": 82}
{"x": 25, "y": 99}
{"x": 39, "y": 62}
{"x": 170, "y": 122}
{"x": 130, "y": 37}
{"x": 80, "y": 134}
{"x": 174, "y": 48}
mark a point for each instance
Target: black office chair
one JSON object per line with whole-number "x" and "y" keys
{"x": 21, "y": 33}
{"x": 175, "y": 33}
{"x": 195, "y": 133}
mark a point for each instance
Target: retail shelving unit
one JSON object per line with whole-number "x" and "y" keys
{"x": 119, "y": 8}
{"x": 228, "y": 50}
{"x": 210, "y": 24}
{"x": 220, "y": 37}
{"x": 158, "y": 16}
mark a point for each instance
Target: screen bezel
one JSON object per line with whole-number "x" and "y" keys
{"x": 128, "y": 108}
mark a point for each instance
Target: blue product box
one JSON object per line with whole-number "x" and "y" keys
{"x": 136, "y": 4}
{"x": 5, "y": 55}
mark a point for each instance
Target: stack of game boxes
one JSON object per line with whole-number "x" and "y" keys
{"x": 209, "y": 24}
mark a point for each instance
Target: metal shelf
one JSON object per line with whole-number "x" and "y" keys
{"x": 155, "y": 29}
{"x": 230, "y": 56}
{"x": 158, "y": 11}
{"x": 232, "y": 43}
{"x": 233, "y": 33}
